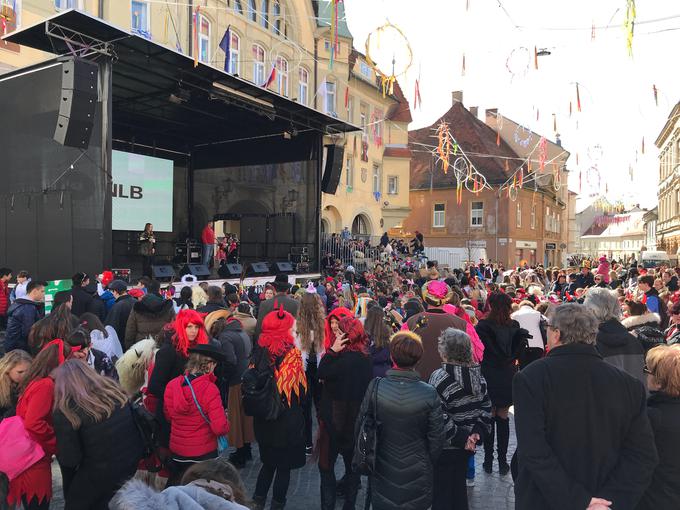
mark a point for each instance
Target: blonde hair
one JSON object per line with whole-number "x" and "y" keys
{"x": 198, "y": 296}
{"x": 7, "y": 363}
{"x": 80, "y": 391}
{"x": 664, "y": 364}
{"x": 199, "y": 363}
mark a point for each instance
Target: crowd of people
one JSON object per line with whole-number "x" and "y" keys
{"x": 151, "y": 396}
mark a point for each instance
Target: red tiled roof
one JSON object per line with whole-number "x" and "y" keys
{"x": 473, "y": 136}
{"x": 399, "y": 112}
{"x": 397, "y": 152}
{"x": 595, "y": 230}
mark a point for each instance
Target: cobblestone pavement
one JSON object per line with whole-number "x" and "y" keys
{"x": 491, "y": 492}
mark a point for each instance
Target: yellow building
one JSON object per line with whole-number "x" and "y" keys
{"x": 292, "y": 37}
{"x": 668, "y": 223}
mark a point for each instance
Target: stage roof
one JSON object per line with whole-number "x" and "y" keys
{"x": 161, "y": 98}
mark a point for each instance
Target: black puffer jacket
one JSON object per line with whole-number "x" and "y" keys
{"x": 621, "y": 349}
{"x": 646, "y": 328}
{"x": 410, "y": 438}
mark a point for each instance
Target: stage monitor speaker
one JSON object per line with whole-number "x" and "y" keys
{"x": 331, "y": 174}
{"x": 259, "y": 268}
{"x": 78, "y": 102}
{"x": 283, "y": 267}
{"x": 230, "y": 270}
{"x": 159, "y": 271}
{"x": 200, "y": 271}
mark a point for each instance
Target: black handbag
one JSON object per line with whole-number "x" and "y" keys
{"x": 261, "y": 397}
{"x": 365, "y": 449}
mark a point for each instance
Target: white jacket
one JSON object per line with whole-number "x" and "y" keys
{"x": 530, "y": 320}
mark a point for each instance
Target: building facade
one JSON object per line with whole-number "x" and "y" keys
{"x": 650, "y": 220}
{"x": 284, "y": 45}
{"x": 526, "y": 226}
{"x": 618, "y": 236}
{"x": 668, "y": 223}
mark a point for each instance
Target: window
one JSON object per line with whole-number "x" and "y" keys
{"x": 438, "y": 215}
{"x": 264, "y": 15}
{"x": 203, "y": 38}
{"x": 548, "y": 219}
{"x": 252, "y": 10}
{"x": 238, "y": 7}
{"x": 58, "y": 4}
{"x": 330, "y": 97}
{"x": 326, "y": 45}
{"x": 477, "y": 214}
{"x": 140, "y": 18}
{"x": 350, "y": 109}
{"x": 349, "y": 171}
{"x": 363, "y": 115}
{"x": 378, "y": 126}
{"x": 276, "y": 15}
{"x": 282, "y": 76}
{"x": 533, "y": 216}
{"x": 559, "y": 224}
{"x": 376, "y": 179}
{"x": 392, "y": 185}
{"x": 258, "y": 64}
{"x": 519, "y": 215}
{"x": 366, "y": 71}
{"x": 234, "y": 50}
{"x": 303, "y": 85}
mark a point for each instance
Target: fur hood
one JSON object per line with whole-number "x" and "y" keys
{"x": 133, "y": 365}
{"x": 136, "y": 495}
{"x": 648, "y": 319}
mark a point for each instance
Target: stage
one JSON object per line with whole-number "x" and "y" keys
{"x": 170, "y": 143}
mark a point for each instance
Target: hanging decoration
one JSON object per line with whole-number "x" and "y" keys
{"x": 347, "y": 97}
{"x": 196, "y": 29}
{"x": 535, "y": 58}
{"x": 605, "y": 220}
{"x": 335, "y": 44}
{"x": 462, "y": 71}
{"x": 656, "y": 95}
{"x": 629, "y": 25}
{"x": 417, "y": 101}
{"x": 498, "y": 138}
{"x": 643, "y": 145}
{"x": 518, "y": 62}
{"x": 578, "y": 99}
{"x": 542, "y": 153}
{"x": 522, "y": 136}
{"x": 570, "y": 109}
{"x": 388, "y": 79}
{"x": 595, "y": 152}
{"x": 554, "y": 122}
{"x": 594, "y": 179}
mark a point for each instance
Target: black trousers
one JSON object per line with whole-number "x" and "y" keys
{"x": 264, "y": 481}
{"x": 33, "y": 504}
{"x": 147, "y": 261}
{"x": 313, "y": 399}
{"x": 450, "y": 489}
{"x": 329, "y": 482}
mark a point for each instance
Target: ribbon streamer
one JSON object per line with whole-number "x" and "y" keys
{"x": 578, "y": 99}
{"x": 629, "y": 25}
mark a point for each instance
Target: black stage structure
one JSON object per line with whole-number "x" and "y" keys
{"x": 238, "y": 151}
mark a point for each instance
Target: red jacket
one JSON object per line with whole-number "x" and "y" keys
{"x": 35, "y": 408}
{"x": 208, "y": 235}
{"x": 4, "y": 297}
{"x": 190, "y": 435}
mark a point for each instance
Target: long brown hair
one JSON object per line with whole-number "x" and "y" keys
{"x": 79, "y": 390}
{"x": 57, "y": 324}
{"x": 7, "y": 363}
{"x": 44, "y": 364}
{"x": 310, "y": 322}
{"x": 500, "y": 306}
{"x": 221, "y": 471}
{"x": 377, "y": 328}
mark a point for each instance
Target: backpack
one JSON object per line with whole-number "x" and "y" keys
{"x": 261, "y": 398}
{"x": 149, "y": 427}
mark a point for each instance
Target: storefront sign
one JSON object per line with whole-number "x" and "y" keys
{"x": 476, "y": 244}
{"x": 526, "y": 244}
{"x": 550, "y": 246}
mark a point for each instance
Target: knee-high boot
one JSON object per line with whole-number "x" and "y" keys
{"x": 488, "y": 449}
{"x": 503, "y": 432}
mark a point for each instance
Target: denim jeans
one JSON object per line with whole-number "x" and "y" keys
{"x": 208, "y": 250}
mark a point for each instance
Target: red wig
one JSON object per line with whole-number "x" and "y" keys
{"x": 336, "y": 314}
{"x": 179, "y": 328}
{"x": 355, "y": 333}
{"x": 276, "y": 335}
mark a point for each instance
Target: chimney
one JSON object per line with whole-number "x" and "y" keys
{"x": 457, "y": 97}
{"x": 474, "y": 110}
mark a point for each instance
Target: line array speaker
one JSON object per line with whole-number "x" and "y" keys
{"x": 77, "y": 103}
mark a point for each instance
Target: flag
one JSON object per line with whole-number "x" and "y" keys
{"x": 225, "y": 46}
{"x": 347, "y": 98}
{"x": 272, "y": 77}
{"x": 196, "y": 28}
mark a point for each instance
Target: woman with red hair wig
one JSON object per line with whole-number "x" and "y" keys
{"x": 174, "y": 341}
{"x": 346, "y": 370}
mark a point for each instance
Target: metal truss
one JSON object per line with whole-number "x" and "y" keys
{"x": 78, "y": 44}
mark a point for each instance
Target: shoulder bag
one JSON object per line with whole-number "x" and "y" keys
{"x": 366, "y": 445}
{"x": 21, "y": 451}
{"x": 222, "y": 443}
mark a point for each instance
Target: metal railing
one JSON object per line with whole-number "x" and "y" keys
{"x": 362, "y": 252}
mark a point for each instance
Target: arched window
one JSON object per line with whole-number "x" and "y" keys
{"x": 234, "y": 53}
{"x": 303, "y": 86}
{"x": 252, "y": 10}
{"x": 264, "y": 15}
{"x": 203, "y": 38}
{"x": 360, "y": 226}
{"x": 282, "y": 75}
{"x": 258, "y": 64}
{"x": 276, "y": 15}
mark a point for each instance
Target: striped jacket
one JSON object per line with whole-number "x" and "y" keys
{"x": 465, "y": 402}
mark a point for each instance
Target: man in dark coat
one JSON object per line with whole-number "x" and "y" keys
{"x": 84, "y": 299}
{"x": 585, "y": 278}
{"x": 120, "y": 311}
{"x": 290, "y": 305}
{"x": 583, "y": 436}
{"x": 215, "y": 300}
{"x": 148, "y": 315}
{"x": 22, "y": 314}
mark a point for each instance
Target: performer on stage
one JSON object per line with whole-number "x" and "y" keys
{"x": 147, "y": 249}
{"x": 208, "y": 240}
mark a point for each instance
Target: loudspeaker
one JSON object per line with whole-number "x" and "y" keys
{"x": 259, "y": 268}
{"x": 159, "y": 271}
{"x": 230, "y": 270}
{"x": 331, "y": 173}
{"x": 77, "y": 104}
{"x": 200, "y": 271}
{"x": 283, "y": 267}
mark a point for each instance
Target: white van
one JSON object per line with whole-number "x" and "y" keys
{"x": 655, "y": 259}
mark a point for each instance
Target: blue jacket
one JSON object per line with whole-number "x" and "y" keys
{"x": 21, "y": 316}
{"x": 109, "y": 299}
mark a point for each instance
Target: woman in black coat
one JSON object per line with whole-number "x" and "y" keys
{"x": 281, "y": 441}
{"x": 99, "y": 444}
{"x": 411, "y": 434}
{"x": 504, "y": 342}
{"x": 663, "y": 409}
{"x": 345, "y": 370}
